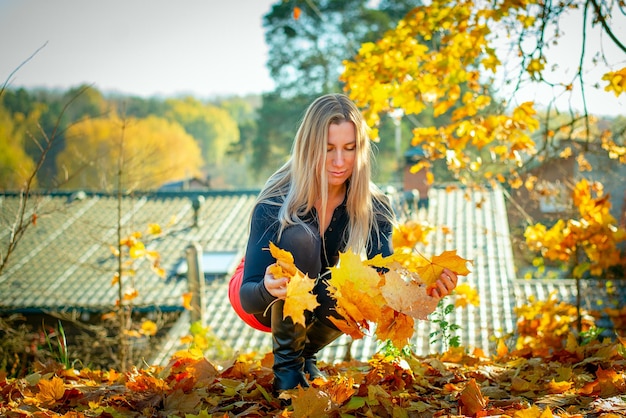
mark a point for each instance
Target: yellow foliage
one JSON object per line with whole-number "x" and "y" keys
{"x": 299, "y": 298}
{"x": 595, "y": 232}
{"x": 617, "y": 81}
{"x": 545, "y": 324}
{"x": 466, "y": 295}
{"x": 364, "y": 297}
{"x": 410, "y": 233}
{"x": 406, "y": 70}
{"x": 149, "y": 152}
{"x": 535, "y": 67}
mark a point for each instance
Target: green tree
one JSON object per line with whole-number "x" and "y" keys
{"x": 306, "y": 53}
{"x": 307, "y": 48}
{"x": 139, "y": 107}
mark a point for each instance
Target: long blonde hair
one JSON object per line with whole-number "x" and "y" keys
{"x": 303, "y": 179}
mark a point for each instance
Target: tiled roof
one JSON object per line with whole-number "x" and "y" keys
{"x": 64, "y": 261}
{"x": 473, "y": 222}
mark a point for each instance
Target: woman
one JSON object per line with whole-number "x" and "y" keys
{"x": 319, "y": 203}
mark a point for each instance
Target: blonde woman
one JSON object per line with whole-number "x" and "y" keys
{"x": 320, "y": 202}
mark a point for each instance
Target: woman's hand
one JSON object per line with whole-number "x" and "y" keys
{"x": 275, "y": 287}
{"x": 444, "y": 285}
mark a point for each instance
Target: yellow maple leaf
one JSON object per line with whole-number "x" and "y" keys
{"x": 355, "y": 287}
{"x": 558, "y": 387}
{"x": 617, "y": 81}
{"x": 299, "y": 287}
{"x": 284, "y": 266}
{"x": 149, "y": 327}
{"x": 356, "y": 310}
{"x": 448, "y": 259}
{"x": 299, "y": 298}
{"x": 410, "y": 234}
{"x": 402, "y": 256}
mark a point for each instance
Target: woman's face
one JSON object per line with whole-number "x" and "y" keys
{"x": 340, "y": 152}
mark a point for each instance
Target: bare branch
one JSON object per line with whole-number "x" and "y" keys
{"x": 8, "y": 80}
{"x": 605, "y": 25}
{"x": 23, "y": 221}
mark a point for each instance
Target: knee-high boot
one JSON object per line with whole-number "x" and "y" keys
{"x": 288, "y": 341}
{"x": 318, "y": 336}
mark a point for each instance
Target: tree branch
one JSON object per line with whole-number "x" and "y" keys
{"x": 605, "y": 25}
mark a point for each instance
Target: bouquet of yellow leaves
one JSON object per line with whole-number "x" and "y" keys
{"x": 385, "y": 293}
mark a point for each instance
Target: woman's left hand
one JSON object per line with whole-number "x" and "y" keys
{"x": 444, "y": 285}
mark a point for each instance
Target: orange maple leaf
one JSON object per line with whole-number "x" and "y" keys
{"x": 610, "y": 382}
{"x": 299, "y": 298}
{"x": 311, "y": 402}
{"x": 187, "y": 296}
{"x": 341, "y": 390}
{"x": 395, "y": 326}
{"x": 472, "y": 399}
{"x": 50, "y": 391}
{"x": 131, "y": 294}
{"x": 296, "y": 13}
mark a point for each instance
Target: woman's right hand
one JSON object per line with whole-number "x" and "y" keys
{"x": 276, "y": 287}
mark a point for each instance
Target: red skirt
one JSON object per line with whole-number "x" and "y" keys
{"x": 233, "y": 294}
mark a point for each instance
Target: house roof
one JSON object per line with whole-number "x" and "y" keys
{"x": 473, "y": 222}
{"x": 64, "y": 260}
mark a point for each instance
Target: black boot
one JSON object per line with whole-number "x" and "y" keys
{"x": 318, "y": 336}
{"x": 288, "y": 343}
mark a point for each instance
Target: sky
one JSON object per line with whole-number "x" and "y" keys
{"x": 138, "y": 47}
{"x": 205, "y": 48}
{"x": 600, "y": 56}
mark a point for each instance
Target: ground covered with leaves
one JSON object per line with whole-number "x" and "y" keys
{"x": 577, "y": 381}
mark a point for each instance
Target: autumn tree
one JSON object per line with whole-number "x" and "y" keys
{"x": 212, "y": 127}
{"x": 155, "y": 151}
{"x": 40, "y": 110}
{"x": 448, "y": 55}
{"x": 19, "y": 171}
{"x": 15, "y": 165}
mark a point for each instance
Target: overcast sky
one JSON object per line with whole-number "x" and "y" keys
{"x": 142, "y": 47}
